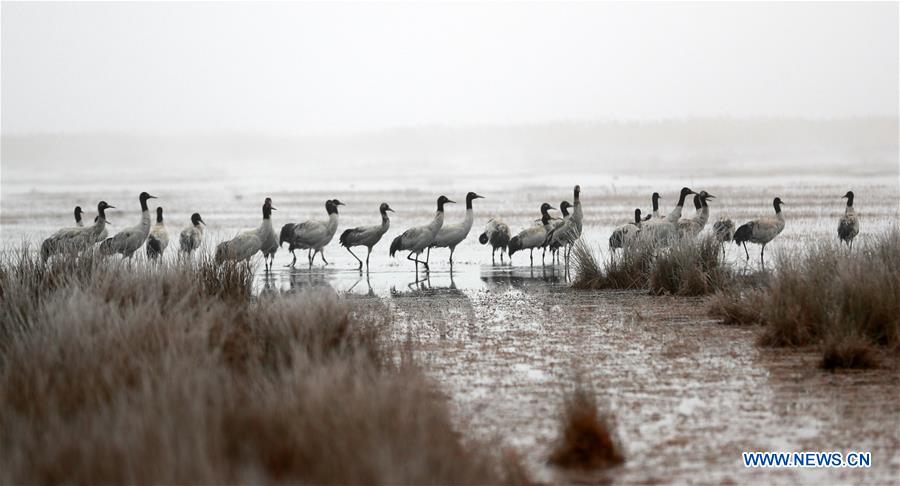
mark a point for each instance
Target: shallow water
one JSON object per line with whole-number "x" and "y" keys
{"x": 505, "y": 341}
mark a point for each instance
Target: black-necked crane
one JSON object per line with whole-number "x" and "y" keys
{"x": 76, "y": 239}
{"x": 416, "y": 240}
{"x": 158, "y": 239}
{"x": 624, "y": 234}
{"x": 496, "y": 232}
{"x": 367, "y": 236}
{"x": 533, "y": 237}
{"x": 312, "y": 235}
{"x": 694, "y": 225}
{"x": 78, "y": 213}
{"x": 451, "y": 235}
{"x": 723, "y": 230}
{"x": 664, "y": 230}
{"x": 192, "y": 236}
{"x": 848, "y": 226}
{"x": 761, "y": 231}
{"x": 251, "y": 241}
{"x": 130, "y": 240}
{"x": 654, "y": 201}
{"x": 554, "y": 225}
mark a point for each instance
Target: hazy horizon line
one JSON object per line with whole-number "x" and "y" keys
{"x": 618, "y": 122}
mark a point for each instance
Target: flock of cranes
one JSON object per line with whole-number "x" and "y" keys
{"x": 549, "y": 233}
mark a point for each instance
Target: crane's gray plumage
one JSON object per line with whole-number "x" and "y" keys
{"x": 367, "y": 236}
{"x": 249, "y": 242}
{"x": 496, "y": 232}
{"x": 158, "y": 239}
{"x": 848, "y": 226}
{"x": 533, "y": 237}
{"x": 130, "y": 239}
{"x": 451, "y": 235}
{"x": 662, "y": 231}
{"x": 563, "y": 235}
{"x": 693, "y": 225}
{"x": 312, "y": 235}
{"x": 76, "y": 239}
{"x": 556, "y": 224}
{"x": 761, "y": 231}
{"x": 625, "y": 234}
{"x": 416, "y": 240}
{"x": 723, "y": 229}
{"x": 192, "y": 236}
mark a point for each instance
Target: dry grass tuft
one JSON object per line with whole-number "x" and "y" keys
{"x": 688, "y": 267}
{"x": 586, "y": 438}
{"x": 846, "y": 303}
{"x": 626, "y": 270}
{"x": 118, "y": 372}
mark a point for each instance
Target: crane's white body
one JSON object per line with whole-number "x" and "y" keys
{"x": 157, "y": 240}
{"x": 129, "y": 240}
{"x": 190, "y": 238}
{"x": 313, "y": 235}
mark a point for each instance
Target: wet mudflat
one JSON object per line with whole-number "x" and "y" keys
{"x": 687, "y": 394}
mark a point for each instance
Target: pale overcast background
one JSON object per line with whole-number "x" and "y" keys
{"x": 314, "y": 68}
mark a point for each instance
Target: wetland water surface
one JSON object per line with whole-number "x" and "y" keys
{"x": 687, "y": 394}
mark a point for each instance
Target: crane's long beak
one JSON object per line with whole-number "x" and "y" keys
{"x": 710, "y": 196}
{"x": 152, "y": 197}
{"x": 110, "y": 207}
{"x": 478, "y": 196}
{"x": 449, "y": 201}
{"x": 273, "y": 208}
{"x": 389, "y": 209}
{"x": 844, "y": 196}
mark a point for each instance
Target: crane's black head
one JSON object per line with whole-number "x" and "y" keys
{"x": 655, "y": 198}
{"x": 384, "y": 208}
{"x": 546, "y": 207}
{"x": 102, "y": 207}
{"x": 143, "y": 199}
{"x": 267, "y": 208}
{"x": 564, "y": 208}
{"x": 78, "y": 213}
{"x": 443, "y": 200}
{"x": 705, "y": 197}
{"x": 685, "y": 192}
{"x": 849, "y": 198}
{"x": 637, "y": 216}
{"x": 577, "y": 192}
{"x": 331, "y": 206}
{"x": 697, "y": 201}
{"x": 777, "y": 204}
{"x": 196, "y": 219}
{"x": 159, "y": 218}
{"x": 471, "y": 197}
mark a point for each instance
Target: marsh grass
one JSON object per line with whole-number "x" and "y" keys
{"x": 586, "y": 438}
{"x": 690, "y": 266}
{"x": 118, "y": 372}
{"x": 848, "y": 304}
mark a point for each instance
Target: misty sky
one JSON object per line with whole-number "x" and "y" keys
{"x": 311, "y": 68}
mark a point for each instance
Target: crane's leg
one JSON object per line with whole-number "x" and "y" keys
{"x": 357, "y": 258}
{"x": 501, "y": 256}
{"x": 851, "y": 244}
{"x": 451, "y": 254}
{"x": 367, "y": 258}
{"x": 294, "y": 260}
{"x": 493, "y": 255}
{"x": 322, "y": 252}
{"x": 531, "y": 255}
{"x": 762, "y": 255}
{"x": 745, "y": 250}
{"x": 428, "y": 255}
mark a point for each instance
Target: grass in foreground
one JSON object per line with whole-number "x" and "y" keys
{"x": 586, "y": 439}
{"x": 846, "y": 304}
{"x": 113, "y": 372}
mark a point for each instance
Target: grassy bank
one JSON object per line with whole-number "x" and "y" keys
{"x": 113, "y": 373}
{"x": 688, "y": 267}
{"x": 847, "y": 304}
